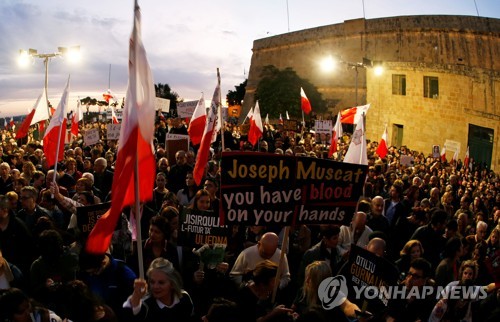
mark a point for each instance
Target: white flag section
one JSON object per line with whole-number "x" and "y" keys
{"x": 41, "y": 109}
{"x": 357, "y": 149}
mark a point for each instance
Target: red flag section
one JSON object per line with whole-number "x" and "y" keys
{"x": 304, "y": 102}
{"x": 354, "y": 114}
{"x": 337, "y": 133}
{"x": 256, "y": 128}
{"x": 25, "y": 126}
{"x": 197, "y": 123}
{"x": 443, "y": 154}
{"x": 382, "y": 149}
{"x": 53, "y": 141}
{"x": 136, "y": 138}
{"x": 114, "y": 119}
{"x": 467, "y": 158}
{"x": 208, "y": 135}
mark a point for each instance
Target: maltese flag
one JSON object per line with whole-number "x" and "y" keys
{"x": 354, "y": 114}
{"x": 197, "y": 123}
{"x": 382, "y": 146}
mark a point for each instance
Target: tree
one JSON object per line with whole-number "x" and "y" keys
{"x": 235, "y": 97}
{"x": 279, "y": 91}
{"x": 164, "y": 91}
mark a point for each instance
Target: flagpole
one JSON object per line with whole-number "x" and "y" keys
{"x": 220, "y": 112}
{"x": 136, "y": 188}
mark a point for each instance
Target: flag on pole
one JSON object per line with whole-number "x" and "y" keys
{"x": 197, "y": 123}
{"x": 77, "y": 117}
{"x": 304, "y": 102}
{"x": 357, "y": 149}
{"x": 53, "y": 141}
{"x": 287, "y": 117}
{"x": 108, "y": 96}
{"x": 208, "y": 134}
{"x": 12, "y": 124}
{"x": 455, "y": 156}
{"x": 24, "y": 128}
{"x": 41, "y": 109}
{"x": 353, "y": 115}
{"x": 249, "y": 115}
{"x": 467, "y": 158}
{"x": 266, "y": 120}
{"x": 280, "y": 120}
{"x": 382, "y": 146}
{"x": 443, "y": 154}
{"x": 337, "y": 133}
{"x": 256, "y": 128}
{"x": 114, "y": 119}
{"x": 136, "y": 143}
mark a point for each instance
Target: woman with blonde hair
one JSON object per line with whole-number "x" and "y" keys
{"x": 161, "y": 298}
{"x": 446, "y": 203}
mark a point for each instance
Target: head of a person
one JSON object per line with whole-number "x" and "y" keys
{"x": 377, "y": 206}
{"x": 264, "y": 274}
{"x": 481, "y": 230}
{"x": 377, "y": 246}
{"x": 330, "y": 235}
{"x": 4, "y": 170}
{"x": 180, "y": 157}
{"x": 222, "y": 310}
{"x": 413, "y": 249}
{"x": 451, "y": 229}
{"x": 468, "y": 271}
{"x": 453, "y": 248}
{"x": 170, "y": 199}
{"x": 50, "y": 244}
{"x": 4, "y": 208}
{"x": 418, "y": 274}
{"x": 190, "y": 183}
{"x": 159, "y": 229}
{"x": 494, "y": 238}
{"x": 165, "y": 283}
{"x": 100, "y": 165}
{"x": 163, "y": 165}
{"x": 315, "y": 273}
{"x": 211, "y": 186}
{"x": 28, "y": 197}
{"x": 86, "y": 198}
{"x": 438, "y": 219}
{"x": 172, "y": 215}
{"x": 202, "y": 200}
{"x": 15, "y": 306}
{"x": 161, "y": 180}
{"x": 267, "y": 245}
{"x": 359, "y": 221}
{"x": 83, "y": 184}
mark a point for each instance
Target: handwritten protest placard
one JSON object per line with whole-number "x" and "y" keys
{"x": 91, "y": 137}
{"x": 113, "y": 131}
{"x": 263, "y": 189}
{"x": 186, "y": 109}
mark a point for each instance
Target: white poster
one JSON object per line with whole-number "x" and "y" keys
{"x": 91, "y": 137}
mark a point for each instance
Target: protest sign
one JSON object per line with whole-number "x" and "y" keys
{"x": 113, "y": 131}
{"x": 174, "y": 143}
{"x": 87, "y": 216}
{"x": 290, "y": 125}
{"x": 269, "y": 189}
{"x": 162, "y": 104}
{"x": 91, "y": 137}
{"x": 201, "y": 227}
{"x": 186, "y": 109}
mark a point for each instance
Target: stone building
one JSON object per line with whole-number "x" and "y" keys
{"x": 440, "y": 83}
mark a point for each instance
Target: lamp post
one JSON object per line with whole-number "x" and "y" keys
{"x": 329, "y": 63}
{"x": 25, "y": 56}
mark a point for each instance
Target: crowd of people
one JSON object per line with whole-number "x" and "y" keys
{"x": 438, "y": 223}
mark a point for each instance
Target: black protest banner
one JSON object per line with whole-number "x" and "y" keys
{"x": 368, "y": 274}
{"x": 87, "y": 216}
{"x": 201, "y": 228}
{"x": 290, "y": 125}
{"x": 269, "y": 189}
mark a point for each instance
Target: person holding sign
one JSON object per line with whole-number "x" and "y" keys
{"x": 357, "y": 233}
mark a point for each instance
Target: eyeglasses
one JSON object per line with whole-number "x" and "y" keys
{"x": 413, "y": 275}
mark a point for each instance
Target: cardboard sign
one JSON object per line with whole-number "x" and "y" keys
{"x": 118, "y": 113}
{"x": 323, "y": 126}
{"x": 199, "y": 228}
{"x": 113, "y": 131}
{"x": 91, "y": 137}
{"x": 162, "y": 104}
{"x": 407, "y": 160}
{"x": 288, "y": 190}
{"x": 174, "y": 143}
{"x": 87, "y": 216}
{"x": 186, "y": 109}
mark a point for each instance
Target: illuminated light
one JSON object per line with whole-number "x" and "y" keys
{"x": 328, "y": 64}
{"x": 378, "y": 70}
{"x": 24, "y": 58}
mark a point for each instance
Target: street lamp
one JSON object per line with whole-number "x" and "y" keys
{"x": 328, "y": 64}
{"x": 26, "y": 56}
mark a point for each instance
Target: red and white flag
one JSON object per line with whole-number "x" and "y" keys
{"x": 354, "y": 114}
{"x": 12, "y": 124}
{"x": 280, "y": 120}
{"x": 467, "y": 158}
{"x": 455, "y": 156}
{"x": 266, "y": 120}
{"x": 287, "y": 116}
{"x": 256, "y": 128}
{"x": 53, "y": 141}
{"x": 337, "y": 133}
{"x": 443, "y": 154}
{"x": 304, "y": 102}
{"x": 197, "y": 123}
{"x": 382, "y": 146}
{"x": 136, "y": 143}
{"x": 209, "y": 135}
{"x": 41, "y": 109}
{"x": 114, "y": 119}
{"x": 249, "y": 116}
{"x": 24, "y": 128}
{"x": 108, "y": 96}
{"x": 357, "y": 149}
{"x": 77, "y": 117}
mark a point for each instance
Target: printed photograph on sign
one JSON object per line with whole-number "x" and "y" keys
{"x": 435, "y": 151}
